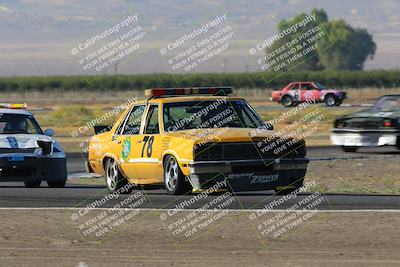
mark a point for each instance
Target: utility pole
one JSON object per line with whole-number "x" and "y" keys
{"x": 224, "y": 65}
{"x": 115, "y": 68}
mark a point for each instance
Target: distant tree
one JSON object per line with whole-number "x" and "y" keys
{"x": 350, "y": 47}
{"x": 340, "y": 47}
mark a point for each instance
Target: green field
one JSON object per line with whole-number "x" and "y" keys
{"x": 341, "y": 79}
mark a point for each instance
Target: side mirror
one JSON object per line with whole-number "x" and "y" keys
{"x": 98, "y": 129}
{"x": 268, "y": 126}
{"x": 49, "y": 132}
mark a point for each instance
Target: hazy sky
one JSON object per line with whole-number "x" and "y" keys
{"x": 38, "y": 36}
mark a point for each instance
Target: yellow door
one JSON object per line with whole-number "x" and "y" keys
{"x": 148, "y": 150}
{"x": 127, "y": 138}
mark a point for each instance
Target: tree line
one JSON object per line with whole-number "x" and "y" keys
{"x": 268, "y": 80}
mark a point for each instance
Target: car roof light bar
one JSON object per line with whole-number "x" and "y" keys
{"x": 161, "y": 92}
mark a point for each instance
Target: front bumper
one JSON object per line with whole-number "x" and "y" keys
{"x": 248, "y": 175}
{"x": 342, "y": 96}
{"x": 21, "y": 167}
{"x": 365, "y": 138}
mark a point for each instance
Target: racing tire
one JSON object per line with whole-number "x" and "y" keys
{"x": 56, "y": 184}
{"x": 115, "y": 181}
{"x": 349, "y": 149}
{"x": 330, "y": 100}
{"x": 32, "y": 184}
{"x": 287, "y": 101}
{"x": 174, "y": 180}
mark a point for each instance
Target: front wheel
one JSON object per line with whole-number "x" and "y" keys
{"x": 114, "y": 179}
{"x": 349, "y": 148}
{"x": 174, "y": 180}
{"x": 330, "y": 100}
{"x": 287, "y": 100}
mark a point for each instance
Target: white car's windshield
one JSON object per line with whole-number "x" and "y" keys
{"x": 209, "y": 114}
{"x": 18, "y": 124}
{"x": 388, "y": 103}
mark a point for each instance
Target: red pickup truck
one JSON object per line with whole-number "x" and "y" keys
{"x": 298, "y": 92}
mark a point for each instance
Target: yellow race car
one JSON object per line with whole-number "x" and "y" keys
{"x": 192, "y": 139}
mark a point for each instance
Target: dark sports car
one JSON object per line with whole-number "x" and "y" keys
{"x": 378, "y": 126}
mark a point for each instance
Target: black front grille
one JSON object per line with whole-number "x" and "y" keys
{"x": 250, "y": 150}
{"x": 46, "y": 147}
{"x": 17, "y": 150}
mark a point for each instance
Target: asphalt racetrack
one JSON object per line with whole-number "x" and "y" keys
{"x": 15, "y": 195}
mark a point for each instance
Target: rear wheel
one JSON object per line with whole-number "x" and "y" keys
{"x": 287, "y": 100}
{"x": 174, "y": 180}
{"x": 32, "y": 184}
{"x": 56, "y": 184}
{"x": 115, "y": 180}
{"x": 349, "y": 148}
{"x": 330, "y": 100}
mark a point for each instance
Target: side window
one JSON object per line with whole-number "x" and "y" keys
{"x": 152, "y": 126}
{"x": 132, "y": 124}
{"x": 294, "y": 87}
{"x": 305, "y": 87}
{"x": 30, "y": 127}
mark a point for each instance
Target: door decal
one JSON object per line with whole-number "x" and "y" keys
{"x": 126, "y": 148}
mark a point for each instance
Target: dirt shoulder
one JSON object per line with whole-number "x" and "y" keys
{"x": 50, "y": 238}
{"x": 377, "y": 176}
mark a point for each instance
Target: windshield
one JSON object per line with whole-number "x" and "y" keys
{"x": 18, "y": 124}
{"x": 388, "y": 103}
{"x": 320, "y": 86}
{"x": 209, "y": 114}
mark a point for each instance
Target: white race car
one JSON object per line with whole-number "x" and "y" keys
{"x": 27, "y": 154}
